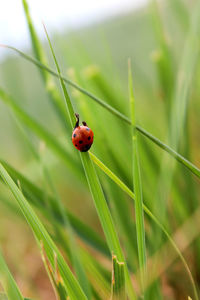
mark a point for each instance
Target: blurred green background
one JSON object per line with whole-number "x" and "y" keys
{"x": 162, "y": 40}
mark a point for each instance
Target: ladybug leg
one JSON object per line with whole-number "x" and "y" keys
{"x": 77, "y": 122}
{"x": 84, "y": 123}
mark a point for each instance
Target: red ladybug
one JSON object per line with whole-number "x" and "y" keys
{"x": 82, "y": 136}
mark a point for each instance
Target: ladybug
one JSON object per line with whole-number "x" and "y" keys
{"x": 82, "y": 136}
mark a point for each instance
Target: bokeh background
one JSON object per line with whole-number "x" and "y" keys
{"x": 93, "y": 41}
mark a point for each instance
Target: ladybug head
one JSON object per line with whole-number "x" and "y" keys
{"x": 77, "y": 122}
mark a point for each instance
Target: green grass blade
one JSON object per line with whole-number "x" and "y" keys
{"x": 8, "y": 281}
{"x": 122, "y": 185}
{"x": 176, "y": 155}
{"x": 97, "y": 193}
{"x": 118, "y": 280}
{"x": 73, "y": 288}
{"x": 139, "y": 217}
{"x": 68, "y": 102}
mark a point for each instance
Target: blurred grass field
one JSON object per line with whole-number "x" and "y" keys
{"x": 162, "y": 42}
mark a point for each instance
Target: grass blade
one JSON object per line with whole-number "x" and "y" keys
{"x": 118, "y": 280}
{"x": 8, "y": 281}
{"x": 68, "y": 101}
{"x": 168, "y": 149}
{"x": 96, "y": 191}
{"x": 137, "y": 187}
{"x": 73, "y": 288}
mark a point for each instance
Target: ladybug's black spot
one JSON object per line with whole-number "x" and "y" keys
{"x": 74, "y": 135}
{"x": 80, "y": 142}
{"x": 76, "y": 145}
{"x": 89, "y": 137}
{"x": 88, "y": 129}
{"x": 86, "y": 148}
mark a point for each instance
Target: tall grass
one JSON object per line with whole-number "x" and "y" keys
{"x": 80, "y": 204}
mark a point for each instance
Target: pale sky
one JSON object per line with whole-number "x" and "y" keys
{"x": 56, "y": 14}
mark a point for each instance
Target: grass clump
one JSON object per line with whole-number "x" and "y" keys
{"x": 96, "y": 243}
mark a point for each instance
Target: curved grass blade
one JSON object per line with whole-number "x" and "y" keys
{"x": 139, "y": 217}
{"x": 72, "y": 286}
{"x": 173, "y": 153}
{"x": 96, "y": 190}
{"x": 122, "y": 185}
{"x": 118, "y": 280}
{"x": 8, "y": 281}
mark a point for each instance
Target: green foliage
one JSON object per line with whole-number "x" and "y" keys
{"x": 43, "y": 170}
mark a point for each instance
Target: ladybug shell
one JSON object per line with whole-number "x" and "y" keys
{"x": 82, "y": 138}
